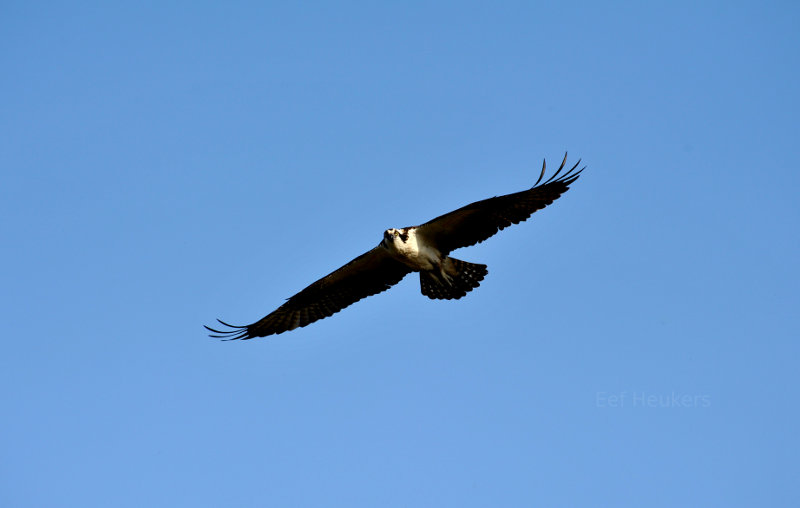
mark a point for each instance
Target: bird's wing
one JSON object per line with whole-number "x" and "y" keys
{"x": 478, "y": 221}
{"x": 368, "y": 274}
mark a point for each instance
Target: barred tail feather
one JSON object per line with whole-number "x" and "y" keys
{"x": 459, "y": 279}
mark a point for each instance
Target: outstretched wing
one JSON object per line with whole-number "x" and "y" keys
{"x": 370, "y": 273}
{"x": 478, "y": 221}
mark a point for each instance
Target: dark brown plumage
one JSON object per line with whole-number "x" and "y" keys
{"x": 467, "y": 277}
{"x": 423, "y": 248}
{"x": 368, "y": 274}
{"x": 479, "y": 221}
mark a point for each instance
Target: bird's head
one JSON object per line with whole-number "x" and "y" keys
{"x": 390, "y": 236}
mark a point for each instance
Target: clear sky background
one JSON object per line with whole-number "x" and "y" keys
{"x": 165, "y": 164}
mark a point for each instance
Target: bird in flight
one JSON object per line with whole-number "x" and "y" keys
{"x": 424, "y": 249}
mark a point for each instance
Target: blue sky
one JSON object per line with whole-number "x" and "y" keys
{"x": 165, "y": 164}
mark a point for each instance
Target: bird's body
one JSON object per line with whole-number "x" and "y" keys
{"x": 424, "y": 249}
{"x": 441, "y": 277}
{"x": 406, "y": 246}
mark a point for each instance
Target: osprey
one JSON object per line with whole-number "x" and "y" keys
{"x": 424, "y": 249}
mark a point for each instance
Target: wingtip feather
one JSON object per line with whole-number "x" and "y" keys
{"x": 568, "y": 177}
{"x": 236, "y": 332}
{"x": 541, "y": 175}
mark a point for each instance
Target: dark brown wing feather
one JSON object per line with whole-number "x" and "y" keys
{"x": 368, "y": 274}
{"x": 478, "y": 221}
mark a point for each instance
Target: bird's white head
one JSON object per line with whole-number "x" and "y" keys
{"x": 390, "y": 238}
{"x": 399, "y": 240}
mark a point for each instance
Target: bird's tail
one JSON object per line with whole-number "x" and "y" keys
{"x": 455, "y": 279}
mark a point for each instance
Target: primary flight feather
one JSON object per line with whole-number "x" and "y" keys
{"x": 424, "y": 249}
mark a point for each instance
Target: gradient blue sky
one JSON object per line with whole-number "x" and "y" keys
{"x": 167, "y": 163}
